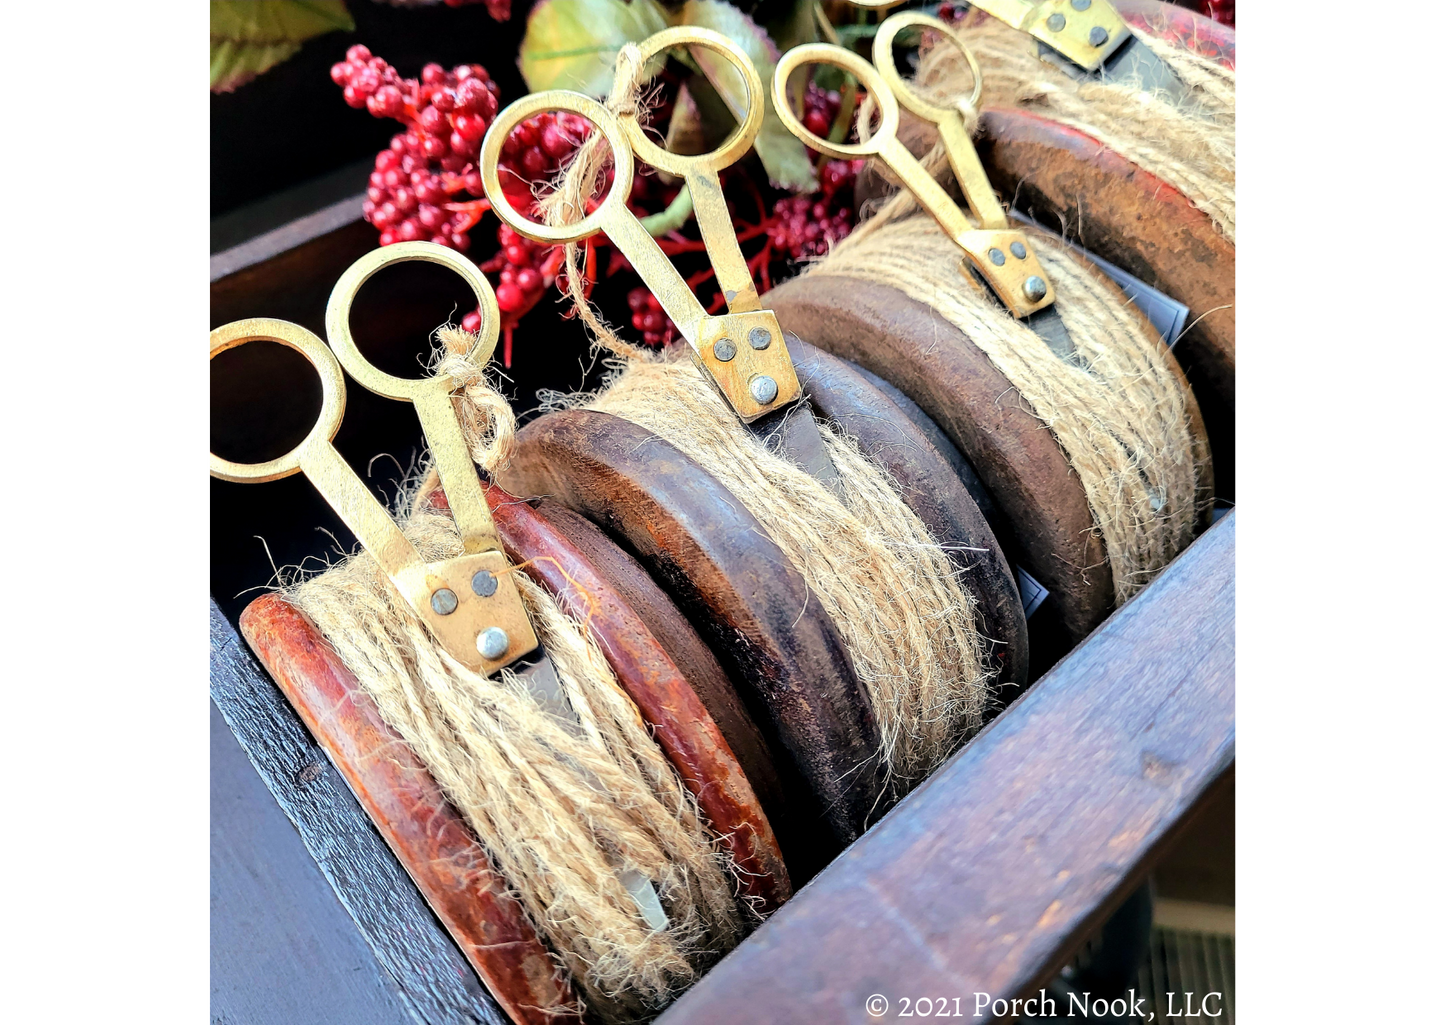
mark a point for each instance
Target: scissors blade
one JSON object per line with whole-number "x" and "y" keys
{"x": 1132, "y": 63}
{"x": 539, "y": 674}
{"x": 792, "y": 432}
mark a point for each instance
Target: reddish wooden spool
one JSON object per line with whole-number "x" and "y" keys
{"x": 430, "y": 838}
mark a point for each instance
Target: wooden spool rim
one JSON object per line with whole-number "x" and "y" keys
{"x": 1025, "y": 469}
{"x": 426, "y": 832}
{"x": 680, "y": 722}
{"x": 754, "y": 610}
{"x": 429, "y": 837}
{"x": 928, "y": 485}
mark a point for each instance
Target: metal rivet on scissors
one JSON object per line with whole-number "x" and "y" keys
{"x": 1011, "y": 280}
{"x": 735, "y": 368}
{"x": 440, "y": 593}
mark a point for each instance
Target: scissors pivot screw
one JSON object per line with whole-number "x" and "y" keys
{"x": 1035, "y": 288}
{"x": 760, "y": 338}
{"x": 1017, "y": 248}
{"x": 444, "y": 601}
{"x": 724, "y": 349}
{"x": 484, "y": 584}
{"x": 763, "y": 388}
{"x": 493, "y": 643}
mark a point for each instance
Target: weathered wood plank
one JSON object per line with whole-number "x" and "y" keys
{"x": 412, "y": 948}
{"x": 986, "y": 877}
{"x": 283, "y": 949}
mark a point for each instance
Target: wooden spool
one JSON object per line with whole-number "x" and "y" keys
{"x": 428, "y": 835}
{"x": 720, "y": 567}
{"x": 1063, "y": 177}
{"x": 1025, "y": 469}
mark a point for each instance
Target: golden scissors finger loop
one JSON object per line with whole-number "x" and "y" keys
{"x": 333, "y": 396}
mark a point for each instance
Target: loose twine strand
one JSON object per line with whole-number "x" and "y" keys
{"x": 561, "y": 809}
{"x": 904, "y": 613}
{"x": 580, "y": 180}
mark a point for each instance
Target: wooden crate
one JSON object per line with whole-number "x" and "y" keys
{"x": 984, "y": 880}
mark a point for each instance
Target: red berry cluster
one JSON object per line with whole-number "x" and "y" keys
{"x": 647, "y": 316}
{"x": 820, "y": 109}
{"x": 526, "y": 268}
{"x": 446, "y": 113}
{"x": 535, "y": 150}
{"x": 804, "y": 226}
{"x": 500, "y": 10}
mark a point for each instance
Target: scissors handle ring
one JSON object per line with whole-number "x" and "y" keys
{"x": 883, "y": 58}
{"x": 541, "y": 103}
{"x": 333, "y": 394}
{"x": 868, "y": 77}
{"x": 338, "y": 314}
{"x": 736, "y": 144}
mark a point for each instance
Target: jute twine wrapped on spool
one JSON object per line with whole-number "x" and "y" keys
{"x": 904, "y": 612}
{"x": 1188, "y": 143}
{"x": 562, "y": 808}
{"x": 1118, "y": 404}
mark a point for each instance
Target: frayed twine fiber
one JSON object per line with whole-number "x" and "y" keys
{"x": 561, "y": 810}
{"x": 1190, "y": 145}
{"x": 581, "y": 179}
{"x": 1116, "y": 407}
{"x": 888, "y": 586}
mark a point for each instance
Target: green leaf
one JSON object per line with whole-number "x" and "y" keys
{"x": 784, "y": 157}
{"x": 572, "y": 44}
{"x": 250, "y": 36}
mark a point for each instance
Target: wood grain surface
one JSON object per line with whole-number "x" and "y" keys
{"x": 282, "y": 947}
{"x": 986, "y": 878}
{"x": 1066, "y": 179}
{"x": 683, "y": 645}
{"x": 413, "y": 950}
{"x": 427, "y": 834}
{"x": 679, "y": 720}
{"x": 734, "y": 584}
{"x": 1025, "y": 469}
{"x": 931, "y": 489}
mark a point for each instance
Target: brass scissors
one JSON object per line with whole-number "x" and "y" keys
{"x": 742, "y": 351}
{"x": 470, "y": 603}
{"x": 1000, "y": 255}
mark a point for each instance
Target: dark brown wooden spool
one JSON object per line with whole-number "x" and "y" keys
{"x": 931, "y": 488}
{"x": 1024, "y": 468}
{"x": 737, "y": 588}
{"x": 696, "y": 539}
{"x": 428, "y": 835}
{"x": 1071, "y": 182}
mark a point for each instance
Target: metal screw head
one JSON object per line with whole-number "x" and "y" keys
{"x": 724, "y": 349}
{"x": 1055, "y": 23}
{"x": 1098, "y": 35}
{"x": 484, "y": 585}
{"x": 1035, "y": 288}
{"x": 996, "y": 255}
{"x": 1082, "y": 5}
{"x": 444, "y": 601}
{"x": 1017, "y": 248}
{"x": 493, "y": 643}
{"x": 760, "y": 338}
{"x": 764, "y": 389}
